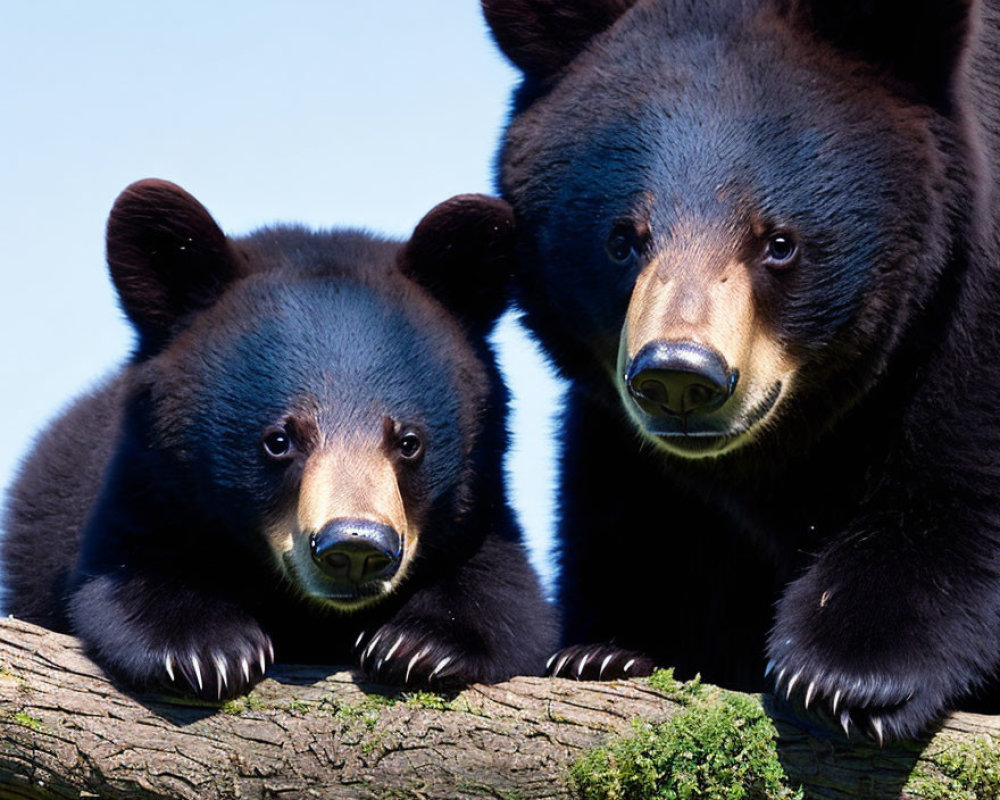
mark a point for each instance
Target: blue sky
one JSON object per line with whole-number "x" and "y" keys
{"x": 323, "y": 113}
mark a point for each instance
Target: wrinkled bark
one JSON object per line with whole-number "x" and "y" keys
{"x": 66, "y": 731}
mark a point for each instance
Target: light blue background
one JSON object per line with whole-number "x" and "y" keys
{"x": 325, "y": 113}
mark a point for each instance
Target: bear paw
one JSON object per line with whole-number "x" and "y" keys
{"x": 598, "y": 662}
{"x": 196, "y": 646}
{"x": 219, "y": 671}
{"x": 401, "y": 655}
{"x": 880, "y": 706}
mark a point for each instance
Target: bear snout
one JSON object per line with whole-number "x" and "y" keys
{"x": 356, "y": 551}
{"x": 678, "y": 379}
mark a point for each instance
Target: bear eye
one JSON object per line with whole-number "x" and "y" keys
{"x": 781, "y": 250}
{"x": 624, "y": 243}
{"x": 277, "y": 443}
{"x": 411, "y": 445}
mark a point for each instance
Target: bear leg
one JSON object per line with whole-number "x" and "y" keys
{"x": 155, "y": 635}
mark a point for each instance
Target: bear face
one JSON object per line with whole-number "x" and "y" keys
{"x": 733, "y": 305}
{"x": 317, "y": 417}
{"x": 755, "y": 236}
{"x": 302, "y": 460}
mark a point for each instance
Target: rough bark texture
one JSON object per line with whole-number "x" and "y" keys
{"x": 66, "y": 731}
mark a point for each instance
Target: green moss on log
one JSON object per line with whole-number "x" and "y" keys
{"x": 958, "y": 771}
{"x": 721, "y": 746}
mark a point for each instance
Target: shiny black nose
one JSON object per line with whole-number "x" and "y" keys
{"x": 356, "y": 550}
{"x": 679, "y": 378}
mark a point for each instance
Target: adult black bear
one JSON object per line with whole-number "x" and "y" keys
{"x": 303, "y": 457}
{"x": 760, "y": 239}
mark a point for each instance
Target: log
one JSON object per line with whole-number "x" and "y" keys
{"x": 66, "y": 731}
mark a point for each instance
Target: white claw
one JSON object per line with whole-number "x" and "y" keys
{"x": 221, "y": 676}
{"x": 440, "y": 666}
{"x": 197, "y": 671}
{"x": 371, "y": 646}
{"x": 270, "y": 650}
{"x": 810, "y": 692}
{"x": 879, "y": 734}
{"x": 168, "y": 662}
{"x": 393, "y": 649}
{"x": 769, "y": 668}
{"x": 604, "y": 663}
{"x": 559, "y": 666}
{"x": 223, "y": 666}
{"x": 549, "y": 662}
{"x": 791, "y": 684}
{"x": 263, "y": 662}
{"x": 357, "y": 642}
{"x": 246, "y": 669}
{"x": 628, "y": 665}
{"x": 779, "y": 679}
{"x": 836, "y": 701}
{"x": 845, "y": 723}
{"x": 582, "y": 665}
{"x": 413, "y": 661}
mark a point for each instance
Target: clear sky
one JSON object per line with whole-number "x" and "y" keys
{"x": 321, "y": 112}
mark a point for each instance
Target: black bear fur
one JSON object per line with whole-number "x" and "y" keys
{"x": 836, "y": 161}
{"x": 157, "y": 520}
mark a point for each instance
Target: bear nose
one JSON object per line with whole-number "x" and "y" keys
{"x": 679, "y": 378}
{"x": 356, "y": 550}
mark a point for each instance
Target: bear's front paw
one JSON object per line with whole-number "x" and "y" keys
{"x": 196, "y": 645}
{"x": 227, "y": 667}
{"x": 598, "y": 662}
{"x": 406, "y": 655}
{"x": 880, "y": 704}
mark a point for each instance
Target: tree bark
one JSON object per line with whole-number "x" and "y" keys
{"x": 66, "y": 731}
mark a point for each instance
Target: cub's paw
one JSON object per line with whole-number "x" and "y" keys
{"x": 195, "y": 645}
{"x": 227, "y": 666}
{"x": 598, "y": 662}
{"x": 406, "y": 655}
{"x": 880, "y": 705}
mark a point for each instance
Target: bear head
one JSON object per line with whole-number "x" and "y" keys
{"x": 733, "y": 214}
{"x": 318, "y": 401}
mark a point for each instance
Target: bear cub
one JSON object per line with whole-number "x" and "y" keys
{"x": 301, "y": 460}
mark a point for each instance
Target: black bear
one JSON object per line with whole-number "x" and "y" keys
{"x": 301, "y": 460}
{"x": 759, "y": 237}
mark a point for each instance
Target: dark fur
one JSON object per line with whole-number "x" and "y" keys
{"x": 855, "y": 544}
{"x": 159, "y": 481}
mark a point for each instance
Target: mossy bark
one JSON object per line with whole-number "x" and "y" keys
{"x": 66, "y": 731}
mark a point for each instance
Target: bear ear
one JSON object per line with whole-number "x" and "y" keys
{"x": 167, "y": 258}
{"x": 542, "y": 36}
{"x": 462, "y": 251}
{"x": 919, "y": 43}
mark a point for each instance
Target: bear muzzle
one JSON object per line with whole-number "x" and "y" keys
{"x": 699, "y": 367}
{"x": 349, "y": 540}
{"x": 353, "y": 552}
{"x": 678, "y": 379}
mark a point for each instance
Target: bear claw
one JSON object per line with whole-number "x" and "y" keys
{"x": 409, "y": 667}
{"x": 810, "y": 693}
{"x": 196, "y": 664}
{"x": 597, "y": 662}
{"x": 409, "y": 657}
{"x": 876, "y": 724}
{"x": 882, "y": 707}
{"x": 444, "y": 662}
{"x": 193, "y": 670}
